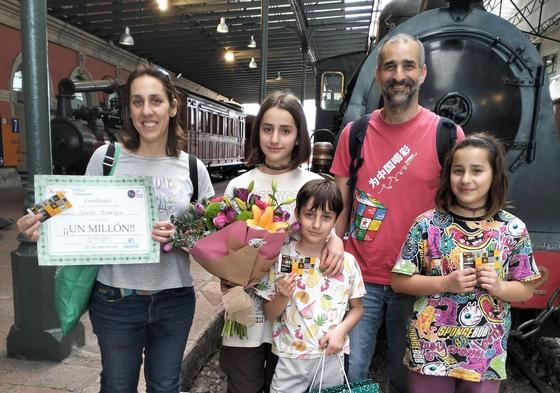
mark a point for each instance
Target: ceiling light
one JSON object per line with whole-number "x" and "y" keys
{"x": 252, "y": 63}
{"x": 222, "y": 27}
{"x": 163, "y": 5}
{"x": 252, "y": 43}
{"x": 278, "y": 77}
{"x": 229, "y": 56}
{"x": 126, "y": 38}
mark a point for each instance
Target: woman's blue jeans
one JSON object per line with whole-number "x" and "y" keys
{"x": 155, "y": 326}
{"x": 381, "y": 304}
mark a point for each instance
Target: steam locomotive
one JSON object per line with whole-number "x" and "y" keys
{"x": 215, "y": 130}
{"x": 486, "y": 75}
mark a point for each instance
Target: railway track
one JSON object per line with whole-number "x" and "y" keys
{"x": 539, "y": 357}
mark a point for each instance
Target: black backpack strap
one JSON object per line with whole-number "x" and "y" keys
{"x": 109, "y": 159}
{"x": 356, "y": 140}
{"x": 445, "y": 138}
{"x": 193, "y": 174}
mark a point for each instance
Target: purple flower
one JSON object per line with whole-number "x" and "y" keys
{"x": 241, "y": 193}
{"x": 281, "y": 216}
{"x": 199, "y": 209}
{"x": 220, "y": 220}
{"x": 229, "y": 211}
{"x": 295, "y": 227}
{"x": 167, "y": 247}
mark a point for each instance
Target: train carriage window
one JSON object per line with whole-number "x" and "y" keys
{"x": 332, "y": 87}
{"x": 192, "y": 119}
{"x": 17, "y": 81}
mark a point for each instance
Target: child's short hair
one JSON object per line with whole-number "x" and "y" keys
{"x": 325, "y": 195}
{"x": 289, "y": 102}
{"x": 497, "y": 157}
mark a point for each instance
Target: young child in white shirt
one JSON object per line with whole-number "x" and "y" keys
{"x": 309, "y": 309}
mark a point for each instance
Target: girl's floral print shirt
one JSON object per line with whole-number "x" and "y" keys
{"x": 318, "y": 303}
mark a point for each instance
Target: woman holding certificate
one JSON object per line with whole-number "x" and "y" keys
{"x": 146, "y": 310}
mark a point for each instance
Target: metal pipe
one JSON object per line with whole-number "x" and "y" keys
{"x": 35, "y": 334}
{"x": 108, "y": 86}
{"x": 264, "y": 50}
{"x": 303, "y": 74}
{"x": 35, "y": 92}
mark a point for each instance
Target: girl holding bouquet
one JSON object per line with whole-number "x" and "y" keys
{"x": 146, "y": 310}
{"x": 278, "y": 145}
{"x": 465, "y": 261}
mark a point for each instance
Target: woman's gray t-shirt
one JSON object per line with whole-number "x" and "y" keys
{"x": 173, "y": 190}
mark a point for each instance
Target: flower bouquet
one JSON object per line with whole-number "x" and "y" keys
{"x": 236, "y": 240}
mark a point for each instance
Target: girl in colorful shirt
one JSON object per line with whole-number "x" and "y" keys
{"x": 308, "y": 307}
{"x": 466, "y": 261}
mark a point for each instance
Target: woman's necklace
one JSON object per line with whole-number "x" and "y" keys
{"x": 473, "y": 210}
{"x": 276, "y": 168}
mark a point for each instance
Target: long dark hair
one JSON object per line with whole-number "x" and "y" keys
{"x": 497, "y": 158}
{"x": 176, "y": 140}
{"x": 289, "y": 102}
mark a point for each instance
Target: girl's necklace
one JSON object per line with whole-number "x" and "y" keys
{"x": 276, "y": 168}
{"x": 473, "y": 210}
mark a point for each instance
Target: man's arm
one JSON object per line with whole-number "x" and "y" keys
{"x": 343, "y": 218}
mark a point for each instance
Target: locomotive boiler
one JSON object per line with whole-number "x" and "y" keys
{"x": 486, "y": 75}
{"x": 75, "y": 134}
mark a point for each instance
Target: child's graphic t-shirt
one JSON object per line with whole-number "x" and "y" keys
{"x": 463, "y": 335}
{"x": 318, "y": 304}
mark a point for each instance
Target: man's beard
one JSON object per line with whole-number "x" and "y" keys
{"x": 399, "y": 101}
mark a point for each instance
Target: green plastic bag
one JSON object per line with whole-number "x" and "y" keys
{"x": 72, "y": 290}
{"x": 362, "y": 386}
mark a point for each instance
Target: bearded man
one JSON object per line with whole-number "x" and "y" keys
{"x": 396, "y": 182}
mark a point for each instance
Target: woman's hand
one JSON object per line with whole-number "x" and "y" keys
{"x": 488, "y": 279}
{"x": 29, "y": 225}
{"x": 332, "y": 257}
{"x": 162, "y": 230}
{"x": 461, "y": 281}
{"x": 333, "y": 341}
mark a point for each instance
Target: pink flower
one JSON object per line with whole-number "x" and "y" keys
{"x": 167, "y": 247}
{"x": 260, "y": 203}
{"x": 217, "y": 199}
{"x": 241, "y": 193}
{"x": 220, "y": 220}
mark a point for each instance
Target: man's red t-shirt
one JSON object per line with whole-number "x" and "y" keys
{"x": 397, "y": 182}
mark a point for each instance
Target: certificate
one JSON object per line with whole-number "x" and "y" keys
{"x": 110, "y": 221}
